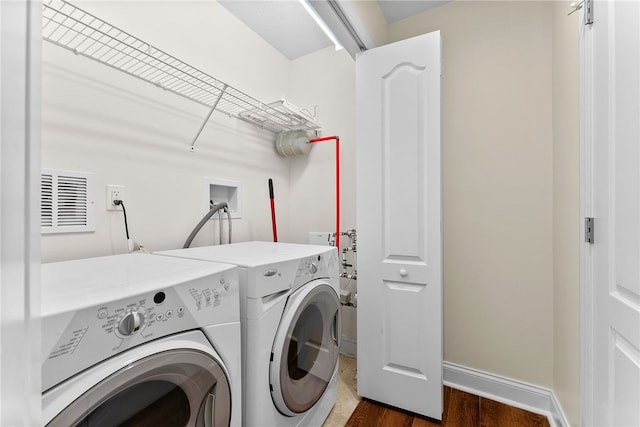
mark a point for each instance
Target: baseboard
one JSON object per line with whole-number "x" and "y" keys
{"x": 515, "y": 393}
{"x": 348, "y": 347}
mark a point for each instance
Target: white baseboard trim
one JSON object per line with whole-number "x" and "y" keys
{"x": 511, "y": 392}
{"x": 348, "y": 347}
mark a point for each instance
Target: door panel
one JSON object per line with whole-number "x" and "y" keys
{"x": 399, "y": 225}
{"x": 626, "y": 382}
{"x": 403, "y": 176}
{"x": 403, "y": 310}
{"x": 614, "y": 39}
{"x": 626, "y": 148}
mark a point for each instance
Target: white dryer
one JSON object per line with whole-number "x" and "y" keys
{"x": 142, "y": 340}
{"x": 291, "y": 328}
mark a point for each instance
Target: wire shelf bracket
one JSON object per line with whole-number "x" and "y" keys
{"x": 84, "y": 34}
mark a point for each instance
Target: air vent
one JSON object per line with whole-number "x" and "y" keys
{"x": 67, "y": 202}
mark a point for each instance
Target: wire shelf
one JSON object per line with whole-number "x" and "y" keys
{"x": 72, "y": 28}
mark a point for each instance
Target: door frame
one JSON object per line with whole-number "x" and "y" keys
{"x": 586, "y": 210}
{"x": 595, "y": 312}
{"x": 20, "y": 47}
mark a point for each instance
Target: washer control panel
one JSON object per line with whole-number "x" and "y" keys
{"x": 147, "y": 316}
{"x": 81, "y": 339}
{"x": 131, "y": 321}
{"x": 324, "y": 265}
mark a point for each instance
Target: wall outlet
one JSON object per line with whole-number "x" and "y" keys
{"x": 114, "y": 192}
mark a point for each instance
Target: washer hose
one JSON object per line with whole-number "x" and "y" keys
{"x": 203, "y": 221}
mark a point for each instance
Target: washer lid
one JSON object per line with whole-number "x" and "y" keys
{"x": 306, "y": 348}
{"x": 69, "y": 286}
{"x": 251, "y": 254}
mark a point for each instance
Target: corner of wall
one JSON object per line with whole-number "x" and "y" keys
{"x": 373, "y": 21}
{"x": 566, "y": 209}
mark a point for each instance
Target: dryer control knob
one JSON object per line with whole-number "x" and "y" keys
{"x": 131, "y": 323}
{"x": 313, "y": 268}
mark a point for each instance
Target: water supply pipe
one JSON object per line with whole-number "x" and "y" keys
{"x": 228, "y": 212}
{"x": 221, "y": 228}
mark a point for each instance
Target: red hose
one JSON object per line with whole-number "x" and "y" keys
{"x": 337, "y": 139}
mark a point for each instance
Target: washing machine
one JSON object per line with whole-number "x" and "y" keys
{"x": 141, "y": 340}
{"x": 291, "y": 328}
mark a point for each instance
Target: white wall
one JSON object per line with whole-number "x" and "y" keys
{"x": 373, "y": 19}
{"x": 326, "y": 78}
{"x": 566, "y": 210}
{"x": 129, "y": 132}
{"x": 497, "y": 175}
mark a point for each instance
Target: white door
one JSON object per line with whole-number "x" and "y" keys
{"x": 612, "y": 160}
{"x": 399, "y": 225}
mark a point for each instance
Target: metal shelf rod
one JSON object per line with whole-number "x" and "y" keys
{"x": 213, "y": 108}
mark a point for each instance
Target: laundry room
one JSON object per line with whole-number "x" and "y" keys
{"x": 128, "y": 133}
{"x": 169, "y": 151}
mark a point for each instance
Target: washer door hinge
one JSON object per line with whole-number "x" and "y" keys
{"x": 588, "y": 229}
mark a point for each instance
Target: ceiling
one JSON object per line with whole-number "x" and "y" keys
{"x": 395, "y": 10}
{"x": 290, "y": 29}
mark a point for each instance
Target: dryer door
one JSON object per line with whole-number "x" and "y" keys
{"x": 306, "y": 348}
{"x": 182, "y": 387}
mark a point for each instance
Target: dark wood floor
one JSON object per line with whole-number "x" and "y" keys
{"x": 460, "y": 410}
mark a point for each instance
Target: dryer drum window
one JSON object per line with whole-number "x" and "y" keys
{"x": 176, "y": 388}
{"x": 306, "y": 348}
